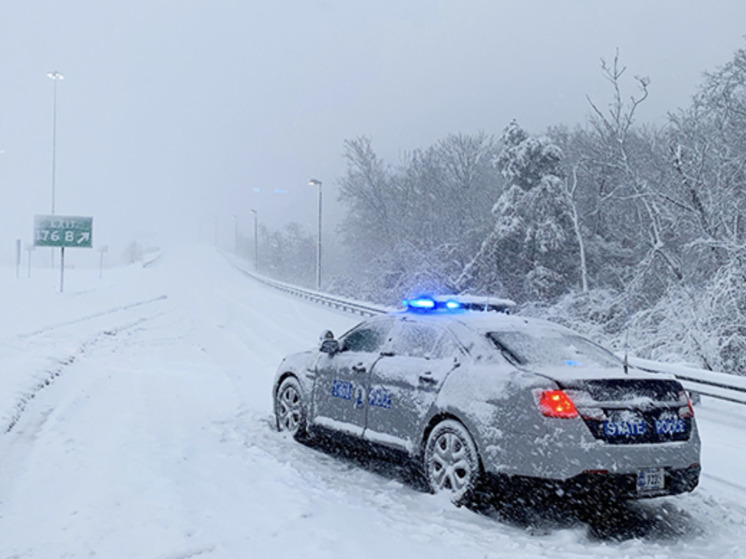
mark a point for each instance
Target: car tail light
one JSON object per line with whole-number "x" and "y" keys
{"x": 555, "y": 403}
{"x": 687, "y": 411}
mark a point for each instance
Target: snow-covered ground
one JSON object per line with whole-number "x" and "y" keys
{"x": 135, "y": 421}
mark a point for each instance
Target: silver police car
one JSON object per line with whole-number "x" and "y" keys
{"x": 483, "y": 399}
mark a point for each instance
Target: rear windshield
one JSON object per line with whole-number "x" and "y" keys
{"x": 551, "y": 349}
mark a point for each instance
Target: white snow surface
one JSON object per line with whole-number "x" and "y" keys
{"x": 136, "y": 422}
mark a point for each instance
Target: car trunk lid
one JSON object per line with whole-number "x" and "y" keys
{"x": 632, "y": 410}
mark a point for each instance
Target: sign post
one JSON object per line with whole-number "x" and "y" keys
{"x": 102, "y": 249}
{"x": 63, "y": 231}
{"x": 62, "y": 269}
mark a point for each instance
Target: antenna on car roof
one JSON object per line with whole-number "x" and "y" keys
{"x": 626, "y": 337}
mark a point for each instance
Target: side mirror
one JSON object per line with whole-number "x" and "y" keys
{"x": 327, "y": 343}
{"x": 330, "y": 346}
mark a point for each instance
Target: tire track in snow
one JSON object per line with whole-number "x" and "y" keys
{"x": 54, "y": 374}
{"x": 728, "y": 487}
{"x": 86, "y": 318}
{"x": 189, "y": 554}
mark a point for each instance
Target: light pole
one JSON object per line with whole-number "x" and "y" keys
{"x": 55, "y": 76}
{"x": 316, "y": 182}
{"x": 256, "y": 240}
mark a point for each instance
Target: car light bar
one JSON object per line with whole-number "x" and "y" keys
{"x": 427, "y": 303}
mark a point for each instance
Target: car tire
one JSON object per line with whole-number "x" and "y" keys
{"x": 451, "y": 462}
{"x": 290, "y": 410}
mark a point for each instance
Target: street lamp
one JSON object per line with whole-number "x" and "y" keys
{"x": 256, "y": 240}
{"x": 316, "y": 182}
{"x": 55, "y": 76}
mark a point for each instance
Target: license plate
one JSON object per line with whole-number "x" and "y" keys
{"x": 651, "y": 480}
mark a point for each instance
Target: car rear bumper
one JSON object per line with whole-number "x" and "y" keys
{"x": 563, "y": 449}
{"x": 596, "y": 485}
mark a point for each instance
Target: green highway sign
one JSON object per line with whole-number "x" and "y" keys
{"x": 63, "y": 231}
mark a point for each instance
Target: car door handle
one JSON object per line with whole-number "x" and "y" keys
{"x": 359, "y": 368}
{"x": 427, "y": 379}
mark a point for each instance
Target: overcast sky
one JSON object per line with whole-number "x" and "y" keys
{"x": 173, "y": 113}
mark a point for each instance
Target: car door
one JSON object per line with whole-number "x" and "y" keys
{"x": 406, "y": 380}
{"x": 342, "y": 378}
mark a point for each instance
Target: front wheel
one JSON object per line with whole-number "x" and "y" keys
{"x": 290, "y": 412}
{"x": 451, "y": 462}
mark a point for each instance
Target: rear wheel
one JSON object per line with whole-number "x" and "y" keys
{"x": 290, "y": 412}
{"x": 451, "y": 462}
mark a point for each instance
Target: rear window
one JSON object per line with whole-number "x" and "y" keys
{"x": 552, "y": 349}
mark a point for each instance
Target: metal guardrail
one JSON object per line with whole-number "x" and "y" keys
{"x": 340, "y": 303}
{"x": 722, "y": 386}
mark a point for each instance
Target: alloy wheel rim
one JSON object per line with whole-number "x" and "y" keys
{"x": 289, "y": 408}
{"x": 450, "y": 467}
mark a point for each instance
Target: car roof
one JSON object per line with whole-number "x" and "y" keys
{"x": 484, "y": 321}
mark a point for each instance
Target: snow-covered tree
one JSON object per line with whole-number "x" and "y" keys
{"x": 417, "y": 222}
{"x": 370, "y": 195}
{"x": 527, "y": 252}
{"x": 708, "y": 153}
{"x": 288, "y": 255}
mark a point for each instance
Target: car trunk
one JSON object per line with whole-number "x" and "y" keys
{"x": 632, "y": 410}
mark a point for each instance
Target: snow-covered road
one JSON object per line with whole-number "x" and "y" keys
{"x": 135, "y": 414}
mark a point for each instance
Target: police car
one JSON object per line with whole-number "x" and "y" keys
{"x": 485, "y": 399}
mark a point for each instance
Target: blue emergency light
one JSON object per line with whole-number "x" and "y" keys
{"x": 452, "y": 303}
{"x": 426, "y": 303}
{"x": 420, "y": 304}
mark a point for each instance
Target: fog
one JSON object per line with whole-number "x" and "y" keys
{"x": 175, "y": 118}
